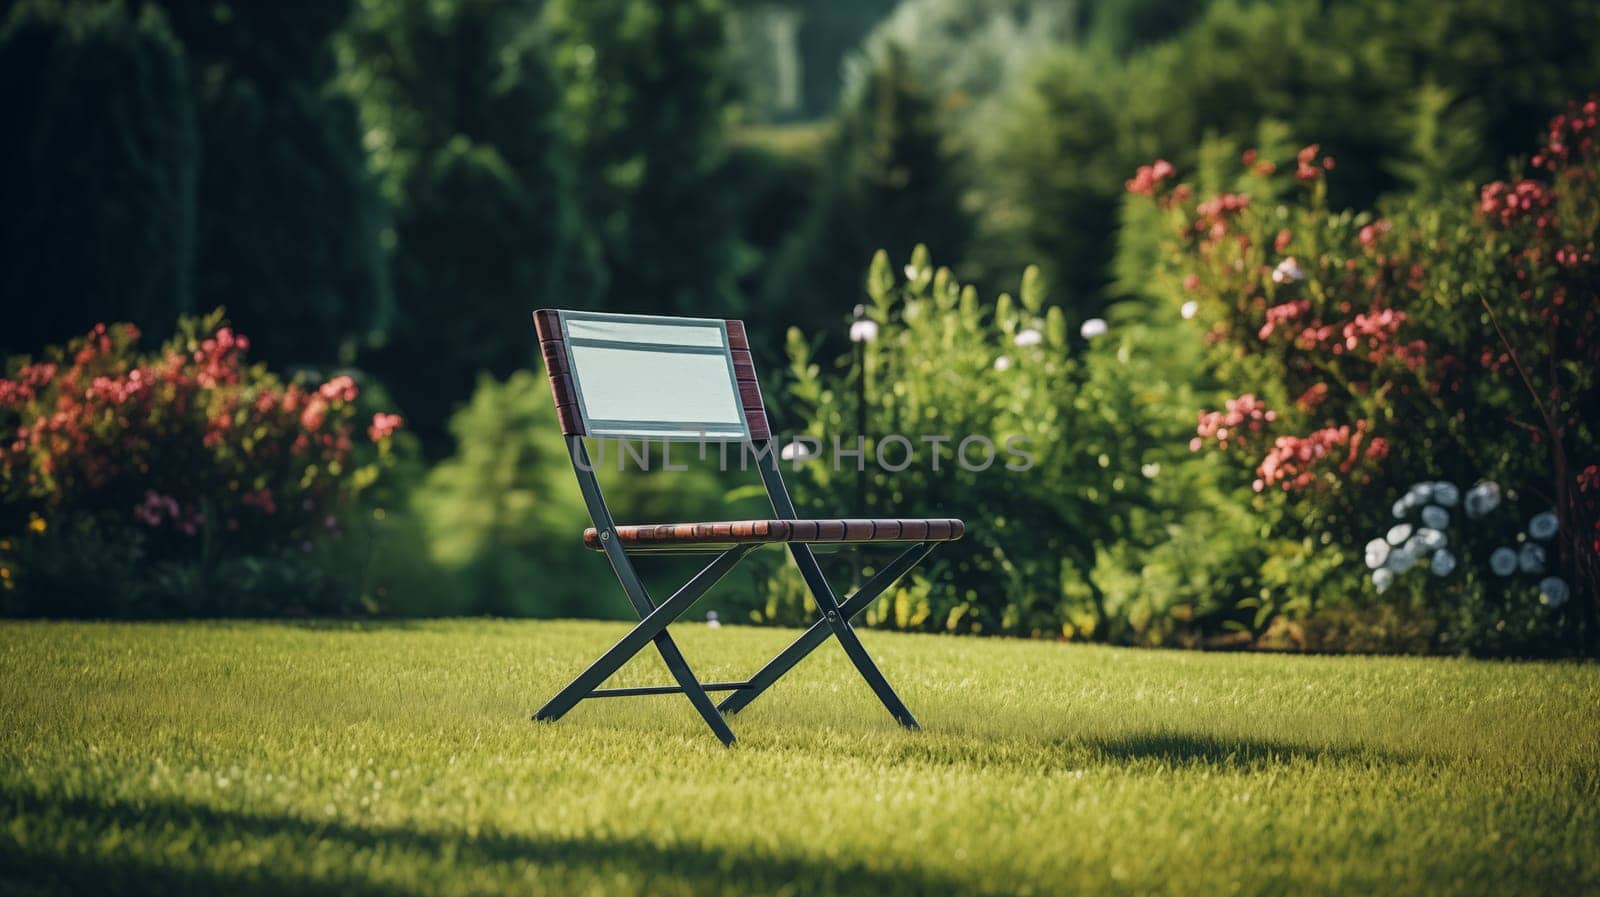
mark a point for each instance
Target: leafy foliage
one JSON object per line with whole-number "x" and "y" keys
{"x": 888, "y": 182}
{"x": 503, "y": 515}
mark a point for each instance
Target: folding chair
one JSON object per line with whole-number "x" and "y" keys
{"x": 692, "y": 380}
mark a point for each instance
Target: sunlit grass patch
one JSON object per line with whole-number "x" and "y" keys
{"x": 399, "y": 759}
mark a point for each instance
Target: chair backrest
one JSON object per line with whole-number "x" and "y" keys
{"x": 651, "y": 376}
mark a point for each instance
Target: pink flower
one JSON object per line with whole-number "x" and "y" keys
{"x": 1293, "y": 461}
{"x": 340, "y": 389}
{"x": 316, "y": 409}
{"x": 1282, "y": 314}
{"x": 1148, "y": 178}
{"x": 1245, "y": 414}
{"x": 383, "y": 426}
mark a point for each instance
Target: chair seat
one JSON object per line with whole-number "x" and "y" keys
{"x": 731, "y": 532}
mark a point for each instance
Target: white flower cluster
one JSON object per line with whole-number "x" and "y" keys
{"x": 1406, "y": 546}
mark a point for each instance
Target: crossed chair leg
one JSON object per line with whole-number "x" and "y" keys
{"x": 835, "y": 622}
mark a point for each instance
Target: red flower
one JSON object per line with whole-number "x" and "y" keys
{"x": 261, "y": 500}
{"x": 1589, "y": 477}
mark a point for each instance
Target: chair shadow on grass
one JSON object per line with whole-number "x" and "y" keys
{"x": 36, "y": 868}
{"x": 1151, "y": 750}
{"x": 1236, "y": 753}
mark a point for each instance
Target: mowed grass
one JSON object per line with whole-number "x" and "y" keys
{"x": 399, "y": 759}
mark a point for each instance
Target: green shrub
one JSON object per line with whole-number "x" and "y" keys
{"x": 503, "y": 517}
{"x": 1081, "y": 543}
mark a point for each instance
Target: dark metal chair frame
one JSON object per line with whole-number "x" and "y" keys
{"x": 734, "y": 540}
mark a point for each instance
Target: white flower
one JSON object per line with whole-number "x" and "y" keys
{"x": 711, "y": 620}
{"x": 1093, "y": 327}
{"x": 1383, "y": 578}
{"x": 1544, "y": 526}
{"x": 798, "y": 450}
{"x": 864, "y": 330}
{"x": 1151, "y": 470}
{"x": 1377, "y": 553}
{"x": 1482, "y": 498}
{"x": 1400, "y": 508}
{"x": 1503, "y": 562}
{"x": 1398, "y": 533}
{"x": 1436, "y": 517}
{"x": 1430, "y": 538}
{"x": 1002, "y": 363}
{"x": 1288, "y": 271}
{"x": 1531, "y": 558}
{"x": 1419, "y": 494}
{"x": 1553, "y": 592}
{"x": 1029, "y": 337}
{"x": 1446, "y": 494}
{"x": 1444, "y": 563}
{"x": 1189, "y": 309}
{"x": 1400, "y": 560}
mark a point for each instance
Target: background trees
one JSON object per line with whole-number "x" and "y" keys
{"x": 646, "y": 93}
{"x": 888, "y": 181}
{"x": 461, "y": 112}
{"x": 288, "y": 216}
{"x": 97, "y": 172}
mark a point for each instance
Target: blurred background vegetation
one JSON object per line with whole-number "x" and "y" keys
{"x": 383, "y": 189}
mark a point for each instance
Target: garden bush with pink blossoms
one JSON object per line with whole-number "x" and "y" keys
{"x": 184, "y": 480}
{"x": 1379, "y": 359}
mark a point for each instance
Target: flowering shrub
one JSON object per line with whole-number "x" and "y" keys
{"x": 1372, "y": 351}
{"x": 185, "y": 455}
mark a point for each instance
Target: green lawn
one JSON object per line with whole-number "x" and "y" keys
{"x": 399, "y": 759}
